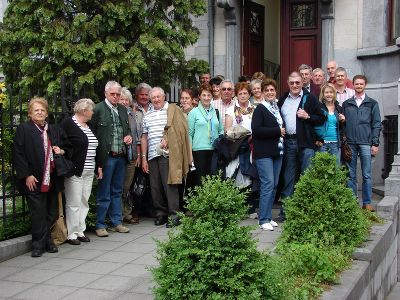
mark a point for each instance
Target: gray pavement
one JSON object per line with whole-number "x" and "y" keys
{"x": 114, "y": 267}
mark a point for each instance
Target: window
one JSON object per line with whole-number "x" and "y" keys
{"x": 394, "y": 20}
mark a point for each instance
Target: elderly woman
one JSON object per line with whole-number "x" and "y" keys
{"x": 79, "y": 186}
{"x": 256, "y": 91}
{"x": 204, "y": 128}
{"x": 35, "y": 144}
{"x": 186, "y": 101}
{"x": 130, "y": 205}
{"x": 268, "y": 133}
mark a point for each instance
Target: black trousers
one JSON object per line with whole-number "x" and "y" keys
{"x": 202, "y": 162}
{"x": 44, "y": 212}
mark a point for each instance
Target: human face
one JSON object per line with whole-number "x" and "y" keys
{"x": 87, "y": 114}
{"x": 216, "y": 91}
{"x": 306, "y": 76}
{"x": 340, "y": 78}
{"x": 256, "y": 91}
{"x": 205, "y": 78}
{"x": 226, "y": 91}
{"x": 142, "y": 97}
{"x": 359, "y": 86}
{"x": 158, "y": 99}
{"x": 295, "y": 84}
{"x": 243, "y": 97}
{"x": 186, "y": 101}
{"x": 124, "y": 101}
{"x": 331, "y": 68}
{"x": 329, "y": 94}
{"x": 270, "y": 93}
{"x": 38, "y": 114}
{"x": 205, "y": 98}
{"x": 113, "y": 94}
{"x": 318, "y": 78}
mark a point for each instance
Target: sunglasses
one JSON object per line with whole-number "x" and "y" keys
{"x": 226, "y": 89}
{"x": 294, "y": 82}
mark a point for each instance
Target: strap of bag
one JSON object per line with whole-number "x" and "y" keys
{"x": 217, "y": 112}
{"x": 304, "y": 100}
{"x": 60, "y": 205}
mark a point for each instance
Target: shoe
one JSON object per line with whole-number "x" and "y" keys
{"x": 273, "y": 223}
{"x": 160, "y": 221}
{"x": 368, "y": 207}
{"x": 83, "y": 239}
{"x": 51, "y": 249}
{"x": 173, "y": 223}
{"x": 120, "y": 228}
{"x": 280, "y": 219}
{"x": 74, "y": 242}
{"x": 101, "y": 232}
{"x": 267, "y": 226}
{"x": 36, "y": 253}
{"x": 133, "y": 220}
{"x": 253, "y": 216}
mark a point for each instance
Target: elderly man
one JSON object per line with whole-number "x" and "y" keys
{"x": 300, "y": 112}
{"x": 227, "y": 90}
{"x": 342, "y": 92}
{"x": 363, "y": 127}
{"x": 165, "y": 155}
{"x": 318, "y": 77}
{"x": 331, "y": 67}
{"x": 205, "y": 78}
{"x": 306, "y": 73}
{"x": 111, "y": 127}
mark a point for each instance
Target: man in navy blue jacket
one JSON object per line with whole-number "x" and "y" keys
{"x": 363, "y": 126}
{"x": 300, "y": 112}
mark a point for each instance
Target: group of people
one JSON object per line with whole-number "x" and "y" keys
{"x": 262, "y": 140}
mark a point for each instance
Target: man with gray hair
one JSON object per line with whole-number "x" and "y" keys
{"x": 331, "y": 67}
{"x": 165, "y": 155}
{"x": 111, "y": 127}
{"x": 318, "y": 77}
{"x": 342, "y": 91}
{"x": 227, "y": 91}
{"x": 306, "y": 73}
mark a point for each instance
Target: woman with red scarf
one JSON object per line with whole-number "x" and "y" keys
{"x": 35, "y": 144}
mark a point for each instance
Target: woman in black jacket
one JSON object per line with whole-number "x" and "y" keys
{"x": 35, "y": 144}
{"x": 268, "y": 131}
{"x": 79, "y": 186}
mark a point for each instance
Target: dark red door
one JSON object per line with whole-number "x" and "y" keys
{"x": 300, "y": 36}
{"x": 253, "y": 38}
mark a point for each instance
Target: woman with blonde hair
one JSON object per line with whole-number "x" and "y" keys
{"x": 329, "y": 134}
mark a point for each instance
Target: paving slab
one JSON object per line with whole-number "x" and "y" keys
{"x": 73, "y": 279}
{"x": 10, "y": 288}
{"x": 45, "y": 292}
{"x": 394, "y": 293}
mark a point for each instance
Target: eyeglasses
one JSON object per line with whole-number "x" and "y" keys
{"x": 226, "y": 89}
{"x": 115, "y": 94}
{"x": 294, "y": 82}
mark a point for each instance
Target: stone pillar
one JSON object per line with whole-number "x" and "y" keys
{"x": 328, "y": 22}
{"x": 232, "y": 58}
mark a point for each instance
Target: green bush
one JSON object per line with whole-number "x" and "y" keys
{"x": 323, "y": 211}
{"x": 211, "y": 256}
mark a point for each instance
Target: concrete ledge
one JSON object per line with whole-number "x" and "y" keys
{"x": 14, "y": 247}
{"x": 388, "y": 207}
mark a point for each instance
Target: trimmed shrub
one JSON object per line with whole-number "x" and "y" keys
{"x": 210, "y": 256}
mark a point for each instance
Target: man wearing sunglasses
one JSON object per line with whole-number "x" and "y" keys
{"x": 300, "y": 112}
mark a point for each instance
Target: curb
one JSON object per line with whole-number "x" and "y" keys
{"x": 15, "y": 247}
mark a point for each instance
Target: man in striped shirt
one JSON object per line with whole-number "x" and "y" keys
{"x": 156, "y": 164}
{"x": 342, "y": 91}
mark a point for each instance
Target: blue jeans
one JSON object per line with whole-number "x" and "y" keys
{"x": 294, "y": 159}
{"x": 364, "y": 151}
{"x": 268, "y": 171}
{"x": 109, "y": 191}
{"x": 331, "y": 148}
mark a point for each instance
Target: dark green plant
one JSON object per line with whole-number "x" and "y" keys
{"x": 323, "y": 211}
{"x": 21, "y": 225}
{"x": 211, "y": 256}
{"x": 95, "y": 41}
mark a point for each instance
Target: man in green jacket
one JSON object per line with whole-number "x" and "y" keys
{"x": 111, "y": 127}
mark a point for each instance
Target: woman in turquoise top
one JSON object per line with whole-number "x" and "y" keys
{"x": 329, "y": 135}
{"x": 204, "y": 129}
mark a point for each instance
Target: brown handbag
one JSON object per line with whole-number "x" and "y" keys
{"x": 345, "y": 150}
{"x": 59, "y": 229}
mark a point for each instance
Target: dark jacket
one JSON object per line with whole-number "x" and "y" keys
{"x": 305, "y": 134}
{"x": 102, "y": 127}
{"x": 363, "y": 124}
{"x": 314, "y": 90}
{"x": 266, "y": 133}
{"x": 28, "y": 154}
{"x": 79, "y": 142}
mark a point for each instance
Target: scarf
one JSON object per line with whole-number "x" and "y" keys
{"x": 240, "y": 112}
{"x": 48, "y": 158}
{"x": 274, "y": 109}
{"x": 208, "y": 115}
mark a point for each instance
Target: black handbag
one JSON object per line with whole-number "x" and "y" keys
{"x": 140, "y": 183}
{"x": 64, "y": 166}
{"x": 345, "y": 151}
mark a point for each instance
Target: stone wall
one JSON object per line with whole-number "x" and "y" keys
{"x": 375, "y": 268}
